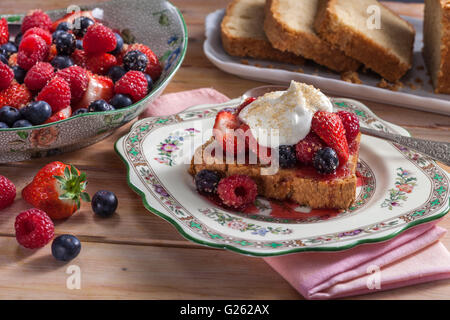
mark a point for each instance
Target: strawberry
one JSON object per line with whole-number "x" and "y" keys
{"x": 264, "y": 154}
{"x": 16, "y": 95}
{"x": 60, "y": 115}
{"x": 57, "y": 189}
{"x": 52, "y": 52}
{"x": 244, "y": 104}
{"x": 36, "y": 18}
{"x": 154, "y": 68}
{"x": 6, "y": 76}
{"x": 56, "y": 93}
{"x": 7, "y": 192}
{"x": 99, "y": 39}
{"x": 134, "y": 84}
{"x": 99, "y": 88}
{"x": 328, "y": 126}
{"x": 225, "y": 132}
{"x": 32, "y": 49}
{"x": 38, "y": 76}
{"x": 44, "y": 34}
{"x": 78, "y": 80}
{"x": 100, "y": 63}
{"x": 70, "y": 17}
{"x": 4, "y": 33}
{"x": 12, "y": 61}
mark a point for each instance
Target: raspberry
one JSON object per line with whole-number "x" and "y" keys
{"x": 99, "y": 39}
{"x": 36, "y": 18}
{"x": 7, "y": 192}
{"x": 6, "y": 76}
{"x": 206, "y": 181}
{"x": 154, "y": 68}
{"x": 38, "y": 76}
{"x": 134, "y": 84}
{"x": 351, "y": 124}
{"x": 237, "y": 191}
{"x": 100, "y": 63}
{"x": 16, "y": 95}
{"x": 79, "y": 57}
{"x": 4, "y": 33}
{"x": 44, "y": 34}
{"x": 32, "y": 49}
{"x": 34, "y": 229}
{"x": 307, "y": 147}
{"x": 78, "y": 80}
{"x": 56, "y": 93}
{"x": 328, "y": 126}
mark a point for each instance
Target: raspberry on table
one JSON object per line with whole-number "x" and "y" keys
{"x": 6, "y": 76}
{"x": 307, "y": 147}
{"x": 351, "y": 124}
{"x": 78, "y": 80}
{"x": 32, "y": 49}
{"x": 99, "y": 39}
{"x": 7, "y": 192}
{"x": 237, "y": 191}
{"x": 287, "y": 157}
{"x": 34, "y": 229}
{"x": 36, "y": 18}
{"x": 134, "y": 84}
{"x": 56, "y": 93}
{"x": 38, "y": 76}
{"x": 206, "y": 181}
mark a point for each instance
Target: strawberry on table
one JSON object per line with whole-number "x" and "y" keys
{"x": 36, "y": 18}
{"x": 328, "y": 126}
{"x": 7, "y": 192}
{"x": 16, "y": 95}
{"x": 56, "y": 93}
{"x": 4, "y": 33}
{"x": 57, "y": 189}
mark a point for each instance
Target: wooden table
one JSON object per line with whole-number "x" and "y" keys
{"x": 135, "y": 254}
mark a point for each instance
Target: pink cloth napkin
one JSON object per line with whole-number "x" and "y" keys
{"x": 415, "y": 256}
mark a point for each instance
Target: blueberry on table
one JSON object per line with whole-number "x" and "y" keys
{"x": 80, "y": 26}
{"x": 19, "y": 74}
{"x": 65, "y": 43}
{"x": 61, "y": 62}
{"x": 121, "y": 101}
{"x": 3, "y": 125}
{"x": 104, "y": 203}
{"x": 100, "y": 106}
{"x": 37, "y": 112}
{"x": 135, "y": 60}
{"x": 80, "y": 111}
{"x": 9, "y": 115}
{"x": 206, "y": 181}
{"x": 119, "y": 44}
{"x": 66, "y": 247}
{"x": 22, "y": 124}
{"x": 116, "y": 72}
{"x": 326, "y": 160}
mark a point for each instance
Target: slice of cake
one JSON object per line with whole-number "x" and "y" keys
{"x": 243, "y": 34}
{"x": 436, "y": 38}
{"x": 289, "y": 27}
{"x": 385, "y": 47}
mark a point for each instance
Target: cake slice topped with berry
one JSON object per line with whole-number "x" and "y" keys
{"x": 290, "y": 143}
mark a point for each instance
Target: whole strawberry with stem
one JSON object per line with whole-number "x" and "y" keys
{"x": 58, "y": 189}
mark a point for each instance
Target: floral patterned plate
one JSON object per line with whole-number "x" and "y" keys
{"x": 397, "y": 189}
{"x": 155, "y": 23}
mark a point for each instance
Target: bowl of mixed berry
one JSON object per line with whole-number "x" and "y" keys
{"x": 68, "y": 80}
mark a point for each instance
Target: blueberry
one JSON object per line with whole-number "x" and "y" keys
{"x": 206, "y": 181}
{"x": 37, "y": 112}
{"x": 80, "y": 111}
{"x": 22, "y": 124}
{"x": 119, "y": 44}
{"x": 3, "y": 59}
{"x": 66, "y": 247}
{"x": 104, "y": 203}
{"x": 3, "y": 125}
{"x": 18, "y": 38}
{"x": 149, "y": 82}
{"x": 8, "y": 48}
{"x": 79, "y": 44}
{"x": 63, "y": 26}
{"x": 116, "y": 72}
{"x": 56, "y": 34}
{"x": 326, "y": 160}
{"x": 19, "y": 74}
{"x": 61, "y": 62}
{"x": 135, "y": 60}
{"x": 121, "y": 101}
{"x": 100, "y": 106}
{"x": 80, "y": 26}
{"x": 65, "y": 43}
{"x": 9, "y": 115}
{"x": 287, "y": 157}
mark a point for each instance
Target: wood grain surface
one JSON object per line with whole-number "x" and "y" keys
{"x": 137, "y": 255}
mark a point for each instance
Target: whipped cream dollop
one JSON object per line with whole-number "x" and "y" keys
{"x": 284, "y": 117}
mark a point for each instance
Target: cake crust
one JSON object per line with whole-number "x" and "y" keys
{"x": 306, "y": 44}
{"x": 253, "y": 47}
{"x": 359, "y": 46}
